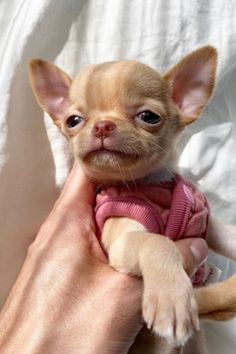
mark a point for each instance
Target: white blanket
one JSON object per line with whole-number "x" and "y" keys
{"x": 34, "y": 158}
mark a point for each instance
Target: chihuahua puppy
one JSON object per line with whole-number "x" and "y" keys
{"x": 122, "y": 120}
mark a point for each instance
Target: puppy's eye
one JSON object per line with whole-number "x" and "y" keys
{"x": 74, "y": 120}
{"x": 149, "y": 117}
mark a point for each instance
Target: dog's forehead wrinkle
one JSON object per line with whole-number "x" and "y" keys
{"x": 110, "y": 84}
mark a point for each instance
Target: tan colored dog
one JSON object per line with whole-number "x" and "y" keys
{"x": 122, "y": 120}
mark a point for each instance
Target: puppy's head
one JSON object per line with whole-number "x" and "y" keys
{"x": 122, "y": 117}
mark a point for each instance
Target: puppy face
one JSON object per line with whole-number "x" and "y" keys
{"x": 122, "y": 118}
{"x": 120, "y": 121}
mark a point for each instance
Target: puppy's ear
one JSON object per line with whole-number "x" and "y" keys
{"x": 192, "y": 81}
{"x": 51, "y": 88}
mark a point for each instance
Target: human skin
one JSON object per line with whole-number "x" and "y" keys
{"x": 67, "y": 299}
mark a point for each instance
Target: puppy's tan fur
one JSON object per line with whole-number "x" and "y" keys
{"x": 117, "y": 92}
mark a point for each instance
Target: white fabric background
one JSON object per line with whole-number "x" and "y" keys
{"x": 34, "y": 158}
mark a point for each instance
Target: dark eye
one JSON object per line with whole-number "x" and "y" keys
{"x": 74, "y": 120}
{"x": 149, "y": 117}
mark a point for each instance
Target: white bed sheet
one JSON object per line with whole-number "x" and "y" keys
{"x": 34, "y": 157}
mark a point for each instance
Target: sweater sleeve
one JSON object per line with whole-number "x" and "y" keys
{"x": 198, "y": 221}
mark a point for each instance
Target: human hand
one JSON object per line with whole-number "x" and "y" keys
{"x": 67, "y": 299}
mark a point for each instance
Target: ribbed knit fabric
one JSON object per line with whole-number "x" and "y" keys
{"x": 176, "y": 209}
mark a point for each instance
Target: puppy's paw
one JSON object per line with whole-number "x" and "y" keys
{"x": 170, "y": 309}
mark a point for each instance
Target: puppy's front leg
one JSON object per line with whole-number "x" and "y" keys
{"x": 169, "y": 307}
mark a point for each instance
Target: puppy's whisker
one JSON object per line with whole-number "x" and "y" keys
{"x": 122, "y": 173}
{"x": 160, "y": 147}
{"x": 170, "y": 172}
{"x": 99, "y": 186}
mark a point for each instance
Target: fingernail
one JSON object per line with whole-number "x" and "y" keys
{"x": 199, "y": 257}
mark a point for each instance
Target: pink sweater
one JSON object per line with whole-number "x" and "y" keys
{"x": 176, "y": 209}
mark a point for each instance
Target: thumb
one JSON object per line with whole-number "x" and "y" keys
{"x": 78, "y": 187}
{"x": 194, "y": 252}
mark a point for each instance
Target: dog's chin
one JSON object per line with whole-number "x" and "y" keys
{"x": 113, "y": 166}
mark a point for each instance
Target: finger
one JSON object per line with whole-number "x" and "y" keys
{"x": 194, "y": 252}
{"x": 78, "y": 187}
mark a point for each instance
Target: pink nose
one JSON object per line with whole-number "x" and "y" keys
{"x": 103, "y": 128}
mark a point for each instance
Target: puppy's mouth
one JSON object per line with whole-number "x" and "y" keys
{"x": 111, "y": 158}
{"x": 113, "y": 164}
{"x": 105, "y": 154}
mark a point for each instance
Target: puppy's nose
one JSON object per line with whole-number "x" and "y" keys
{"x": 103, "y": 128}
